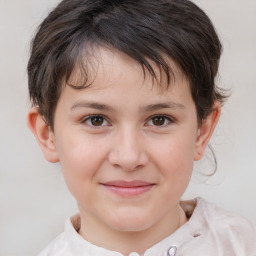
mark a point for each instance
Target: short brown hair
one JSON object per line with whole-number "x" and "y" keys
{"x": 146, "y": 30}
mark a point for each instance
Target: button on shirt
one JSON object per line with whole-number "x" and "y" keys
{"x": 210, "y": 231}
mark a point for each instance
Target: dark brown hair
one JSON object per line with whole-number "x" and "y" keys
{"x": 146, "y": 30}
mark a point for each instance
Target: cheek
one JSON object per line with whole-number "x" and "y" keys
{"x": 174, "y": 159}
{"x": 176, "y": 174}
{"x": 80, "y": 160}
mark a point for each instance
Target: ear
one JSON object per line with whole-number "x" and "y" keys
{"x": 205, "y": 131}
{"x": 43, "y": 134}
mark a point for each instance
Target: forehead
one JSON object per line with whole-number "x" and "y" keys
{"x": 103, "y": 67}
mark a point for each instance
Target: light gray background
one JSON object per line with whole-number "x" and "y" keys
{"x": 34, "y": 201}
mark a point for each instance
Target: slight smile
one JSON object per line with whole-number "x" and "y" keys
{"x": 128, "y": 188}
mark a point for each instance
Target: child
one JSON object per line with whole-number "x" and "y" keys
{"x": 124, "y": 97}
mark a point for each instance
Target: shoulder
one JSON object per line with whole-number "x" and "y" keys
{"x": 54, "y": 247}
{"x": 226, "y": 228}
{"x": 66, "y": 243}
{"x": 220, "y": 218}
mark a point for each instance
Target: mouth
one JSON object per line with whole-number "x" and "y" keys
{"x": 128, "y": 188}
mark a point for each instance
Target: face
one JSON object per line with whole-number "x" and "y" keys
{"x": 125, "y": 146}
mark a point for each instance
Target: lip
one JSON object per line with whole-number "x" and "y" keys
{"x": 128, "y": 188}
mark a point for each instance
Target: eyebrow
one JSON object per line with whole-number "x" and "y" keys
{"x": 157, "y": 106}
{"x": 94, "y": 105}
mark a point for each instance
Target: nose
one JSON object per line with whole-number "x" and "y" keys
{"x": 128, "y": 151}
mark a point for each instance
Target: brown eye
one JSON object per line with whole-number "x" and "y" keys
{"x": 96, "y": 121}
{"x": 159, "y": 121}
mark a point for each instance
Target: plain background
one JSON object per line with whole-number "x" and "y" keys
{"x": 34, "y": 201}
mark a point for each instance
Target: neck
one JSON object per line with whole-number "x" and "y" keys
{"x": 126, "y": 242}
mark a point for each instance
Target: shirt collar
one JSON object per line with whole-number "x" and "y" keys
{"x": 167, "y": 247}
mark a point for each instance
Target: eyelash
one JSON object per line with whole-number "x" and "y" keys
{"x": 167, "y": 121}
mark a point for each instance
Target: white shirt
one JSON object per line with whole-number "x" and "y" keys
{"x": 210, "y": 231}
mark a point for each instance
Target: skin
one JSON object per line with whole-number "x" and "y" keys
{"x": 138, "y": 133}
